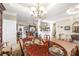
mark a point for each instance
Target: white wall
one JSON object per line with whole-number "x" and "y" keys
{"x": 9, "y": 28}
{"x": 66, "y": 34}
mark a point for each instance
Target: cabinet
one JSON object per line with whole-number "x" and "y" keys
{"x": 1, "y": 11}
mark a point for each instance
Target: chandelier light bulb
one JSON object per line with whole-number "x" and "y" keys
{"x": 33, "y": 9}
{"x": 31, "y": 13}
{"x": 35, "y": 15}
{"x": 45, "y": 12}
{"x": 41, "y": 8}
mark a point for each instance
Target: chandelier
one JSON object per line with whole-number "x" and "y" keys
{"x": 38, "y": 12}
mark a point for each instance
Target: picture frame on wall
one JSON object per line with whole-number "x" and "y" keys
{"x": 67, "y": 27}
{"x": 32, "y": 28}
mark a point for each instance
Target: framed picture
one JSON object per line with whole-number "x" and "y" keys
{"x": 44, "y": 26}
{"x": 32, "y": 28}
{"x": 67, "y": 27}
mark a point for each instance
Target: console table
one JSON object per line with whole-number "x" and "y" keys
{"x": 75, "y": 37}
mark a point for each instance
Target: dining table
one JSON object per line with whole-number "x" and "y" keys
{"x": 67, "y": 45}
{"x": 44, "y": 50}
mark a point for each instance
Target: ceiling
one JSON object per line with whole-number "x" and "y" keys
{"x": 54, "y": 11}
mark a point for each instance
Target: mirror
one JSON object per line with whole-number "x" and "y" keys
{"x": 44, "y": 26}
{"x": 75, "y": 27}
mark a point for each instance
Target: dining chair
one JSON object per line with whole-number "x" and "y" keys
{"x": 74, "y": 51}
